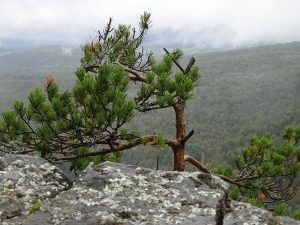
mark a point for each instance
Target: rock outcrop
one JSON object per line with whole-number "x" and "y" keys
{"x": 34, "y": 192}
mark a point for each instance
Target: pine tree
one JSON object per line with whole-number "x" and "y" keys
{"x": 88, "y": 123}
{"x": 65, "y": 125}
{"x": 266, "y": 173}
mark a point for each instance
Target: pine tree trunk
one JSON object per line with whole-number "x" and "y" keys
{"x": 178, "y": 149}
{"x": 178, "y": 158}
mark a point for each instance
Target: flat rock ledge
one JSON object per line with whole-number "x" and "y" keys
{"x": 34, "y": 192}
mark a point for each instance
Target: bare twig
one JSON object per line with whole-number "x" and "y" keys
{"x": 134, "y": 75}
{"x": 174, "y": 61}
{"x": 117, "y": 147}
{"x": 187, "y": 137}
{"x": 196, "y": 163}
{"x": 202, "y": 168}
{"x": 189, "y": 66}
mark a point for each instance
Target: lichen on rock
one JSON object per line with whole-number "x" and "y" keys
{"x": 111, "y": 193}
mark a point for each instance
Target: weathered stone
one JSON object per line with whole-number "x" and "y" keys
{"x": 116, "y": 194}
{"x": 8, "y": 211}
{"x": 2, "y": 166}
{"x": 23, "y": 182}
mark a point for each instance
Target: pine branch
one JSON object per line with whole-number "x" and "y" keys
{"x": 227, "y": 179}
{"x": 174, "y": 61}
{"x": 107, "y": 31}
{"x": 27, "y": 151}
{"x": 134, "y": 75}
{"x": 149, "y": 108}
{"x": 196, "y": 163}
{"x": 202, "y": 168}
{"x": 187, "y": 137}
{"x": 116, "y": 146}
{"x": 189, "y": 66}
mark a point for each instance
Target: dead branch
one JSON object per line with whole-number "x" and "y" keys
{"x": 203, "y": 169}
{"x": 118, "y": 147}
{"x": 189, "y": 66}
{"x": 227, "y": 179}
{"x": 174, "y": 61}
{"x": 134, "y": 75}
{"x": 196, "y": 163}
{"x": 187, "y": 137}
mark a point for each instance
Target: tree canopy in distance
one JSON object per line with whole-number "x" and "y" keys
{"x": 66, "y": 125}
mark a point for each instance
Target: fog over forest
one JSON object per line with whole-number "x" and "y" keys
{"x": 197, "y": 24}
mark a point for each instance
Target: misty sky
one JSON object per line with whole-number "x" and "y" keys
{"x": 191, "y": 23}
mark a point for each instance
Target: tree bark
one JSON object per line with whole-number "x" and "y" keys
{"x": 178, "y": 149}
{"x": 178, "y": 158}
{"x": 196, "y": 163}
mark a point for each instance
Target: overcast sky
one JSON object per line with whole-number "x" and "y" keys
{"x": 191, "y": 23}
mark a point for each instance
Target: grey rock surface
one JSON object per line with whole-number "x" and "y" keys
{"x": 34, "y": 192}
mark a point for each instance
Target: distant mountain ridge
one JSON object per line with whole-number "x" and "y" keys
{"x": 60, "y": 56}
{"x": 4, "y": 51}
{"x": 56, "y": 59}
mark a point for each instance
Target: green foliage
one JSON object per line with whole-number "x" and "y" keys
{"x": 160, "y": 140}
{"x": 252, "y": 201}
{"x": 245, "y": 195}
{"x": 53, "y": 120}
{"x": 292, "y": 134}
{"x": 35, "y": 207}
{"x": 129, "y": 135}
{"x": 241, "y": 93}
{"x": 64, "y": 125}
{"x": 297, "y": 215}
{"x": 112, "y": 157}
{"x": 103, "y": 97}
{"x": 81, "y": 163}
{"x": 224, "y": 170}
{"x": 235, "y": 193}
{"x": 282, "y": 209}
{"x": 163, "y": 88}
{"x": 231, "y": 105}
{"x": 268, "y": 173}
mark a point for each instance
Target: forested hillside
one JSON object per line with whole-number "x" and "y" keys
{"x": 241, "y": 93}
{"x": 20, "y": 72}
